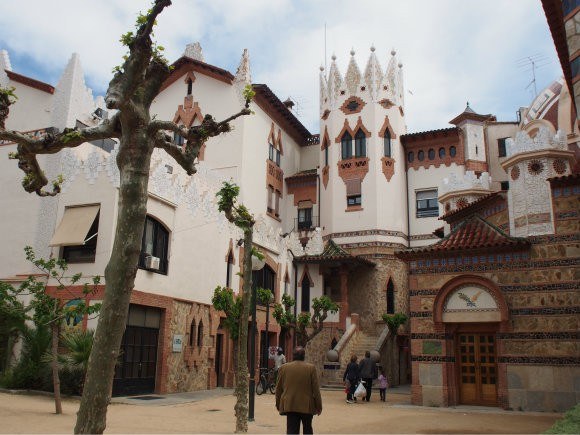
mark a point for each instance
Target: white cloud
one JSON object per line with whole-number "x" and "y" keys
{"x": 452, "y": 50}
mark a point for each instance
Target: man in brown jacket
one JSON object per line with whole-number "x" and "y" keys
{"x": 298, "y": 393}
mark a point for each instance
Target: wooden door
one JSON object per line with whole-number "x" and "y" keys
{"x": 477, "y": 368}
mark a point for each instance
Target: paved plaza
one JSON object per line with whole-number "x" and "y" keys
{"x": 212, "y": 412}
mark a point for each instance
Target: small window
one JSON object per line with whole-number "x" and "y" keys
{"x": 353, "y": 200}
{"x": 277, "y": 157}
{"x": 326, "y": 156}
{"x": 427, "y": 205}
{"x": 452, "y": 151}
{"x": 431, "y": 154}
{"x": 421, "y": 155}
{"x": 346, "y": 146}
{"x": 387, "y": 143}
{"x": 505, "y": 185}
{"x": 390, "y": 297}
{"x": 154, "y": 247}
{"x": 192, "y": 333}
{"x": 305, "y": 296}
{"x": 200, "y": 334}
{"x": 189, "y": 86}
{"x": 441, "y": 152}
{"x": 229, "y": 269}
{"x": 410, "y": 156}
{"x": 178, "y": 139}
{"x": 271, "y": 153}
{"x": 501, "y": 148}
{"x": 360, "y": 144}
{"x": 86, "y": 252}
{"x": 304, "y": 218}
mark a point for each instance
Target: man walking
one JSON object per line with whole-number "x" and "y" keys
{"x": 298, "y": 393}
{"x": 368, "y": 372}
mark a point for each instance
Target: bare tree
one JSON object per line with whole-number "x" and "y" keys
{"x": 239, "y": 215}
{"x": 131, "y": 91}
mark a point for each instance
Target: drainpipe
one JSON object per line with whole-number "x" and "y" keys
{"x": 295, "y": 297}
{"x": 318, "y": 182}
{"x": 407, "y": 196}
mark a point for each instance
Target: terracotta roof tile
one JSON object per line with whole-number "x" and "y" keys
{"x": 333, "y": 252}
{"x": 472, "y": 205}
{"x": 473, "y": 233}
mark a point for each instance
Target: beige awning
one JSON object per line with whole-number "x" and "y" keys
{"x": 75, "y": 225}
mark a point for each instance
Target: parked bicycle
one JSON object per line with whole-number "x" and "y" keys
{"x": 267, "y": 381}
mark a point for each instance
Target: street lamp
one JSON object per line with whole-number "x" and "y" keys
{"x": 257, "y": 264}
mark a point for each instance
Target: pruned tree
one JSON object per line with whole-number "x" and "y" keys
{"x": 240, "y": 216}
{"x": 306, "y": 325}
{"x": 224, "y": 299}
{"x": 130, "y": 93}
{"x": 46, "y": 310}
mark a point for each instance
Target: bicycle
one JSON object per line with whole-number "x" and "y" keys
{"x": 267, "y": 381}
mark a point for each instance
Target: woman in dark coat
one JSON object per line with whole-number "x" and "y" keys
{"x": 352, "y": 376}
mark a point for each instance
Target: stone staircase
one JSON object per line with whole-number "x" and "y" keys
{"x": 333, "y": 372}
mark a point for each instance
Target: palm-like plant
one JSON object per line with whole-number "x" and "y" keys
{"x": 78, "y": 344}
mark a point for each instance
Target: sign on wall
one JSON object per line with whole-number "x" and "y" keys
{"x": 471, "y": 303}
{"x": 177, "y": 343}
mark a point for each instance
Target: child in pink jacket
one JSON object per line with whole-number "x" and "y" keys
{"x": 383, "y": 384}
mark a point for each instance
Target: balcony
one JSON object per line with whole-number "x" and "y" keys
{"x": 306, "y": 224}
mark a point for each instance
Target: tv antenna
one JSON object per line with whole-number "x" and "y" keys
{"x": 531, "y": 64}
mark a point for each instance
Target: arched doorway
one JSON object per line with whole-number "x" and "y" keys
{"x": 472, "y": 311}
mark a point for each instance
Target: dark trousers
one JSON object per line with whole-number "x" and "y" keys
{"x": 293, "y": 420}
{"x": 351, "y": 390}
{"x": 368, "y": 387}
{"x": 383, "y": 392}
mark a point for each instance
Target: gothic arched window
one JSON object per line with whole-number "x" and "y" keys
{"x": 360, "y": 144}
{"x": 390, "y": 297}
{"x": 387, "y": 143}
{"x": 200, "y": 334}
{"x": 192, "y": 333}
{"x": 346, "y": 145}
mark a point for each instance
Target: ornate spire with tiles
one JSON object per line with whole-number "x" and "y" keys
{"x": 194, "y": 51}
{"x": 373, "y": 75}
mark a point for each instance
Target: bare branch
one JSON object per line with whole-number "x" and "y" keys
{"x": 28, "y": 148}
{"x": 195, "y": 136}
{"x": 133, "y": 72}
{"x": 184, "y": 159}
{"x": 155, "y": 75}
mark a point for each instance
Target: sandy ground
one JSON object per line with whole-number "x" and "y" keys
{"x": 35, "y": 414}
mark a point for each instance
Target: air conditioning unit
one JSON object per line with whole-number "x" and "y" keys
{"x": 152, "y": 262}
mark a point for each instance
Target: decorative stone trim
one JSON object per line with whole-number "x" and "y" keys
{"x": 274, "y": 176}
{"x": 325, "y": 175}
{"x": 425, "y": 292}
{"x": 387, "y": 125}
{"x": 360, "y": 126}
{"x": 560, "y": 166}
{"x": 429, "y": 236}
{"x": 360, "y": 233}
{"x": 555, "y": 311}
{"x": 433, "y": 358}
{"x": 354, "y": 208}
{"x": 497, "y": 266}
{"x": 420, "y": 314}
{"x": 388, "y": 167}
{"x": 539, "y": 336}
{"x": 536, "y": 218}
{"x": 546, "y": 361}
{"x": 345, "y": 128}
{"x": 539, "y": 287}
{"x": 374, "y": 244}
{"x": 325, "y": 143}
{"x": 354, "y": 168}
{"x": 386, "y": 103}
{"x": 535, "y": 167}
{"x": 352, "y": 105}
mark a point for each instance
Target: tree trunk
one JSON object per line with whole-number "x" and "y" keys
{"x": 241, "y": 390}
{"x": 55, "y": 328}
{"x": 393, "y": 361}
{"x": 133, "y": 161}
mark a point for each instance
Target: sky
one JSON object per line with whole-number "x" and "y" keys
{"x": 452, "y": 51}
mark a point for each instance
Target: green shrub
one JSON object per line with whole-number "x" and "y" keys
{"x": 71, "y": 381}
{"x": 569, "y": 424}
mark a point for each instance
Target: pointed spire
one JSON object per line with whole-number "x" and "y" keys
{"x": 353, "y": 75}
{"x": 194, "y": 51}
{"x": 373, "y": 75}
{"x": 4, "y": 66}
{"x": 468, "y": 109}
{"x": 243, "y": 76}
{"x": 334, "y": 80}
{"x": 72, "y": 99}
{"x": 400, "y": 86}
{"x": 323, "y": 88}
{"x": 389, "y": 79}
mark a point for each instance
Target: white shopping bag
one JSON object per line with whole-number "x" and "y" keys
{"x": 360, "y": 389}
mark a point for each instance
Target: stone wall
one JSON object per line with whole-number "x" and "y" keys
{"x": 538, "y": 349}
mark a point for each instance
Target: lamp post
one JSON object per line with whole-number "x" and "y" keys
{"x": 257, "y": 264}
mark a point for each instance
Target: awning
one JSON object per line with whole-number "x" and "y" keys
{"x": 75, "y": 225}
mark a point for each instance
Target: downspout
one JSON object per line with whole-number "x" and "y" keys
{"x": 318, "y": 182}
{"x": 407, "y": 195}
{"x": 295, "y": 296}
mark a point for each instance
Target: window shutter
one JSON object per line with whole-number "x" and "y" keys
{"x": 353, "y": 187}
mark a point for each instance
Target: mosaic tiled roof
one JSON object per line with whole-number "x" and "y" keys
{"x": 473, "y": 234}
{"x": 333, "y": 252}
{"x": 472, "y": 206}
